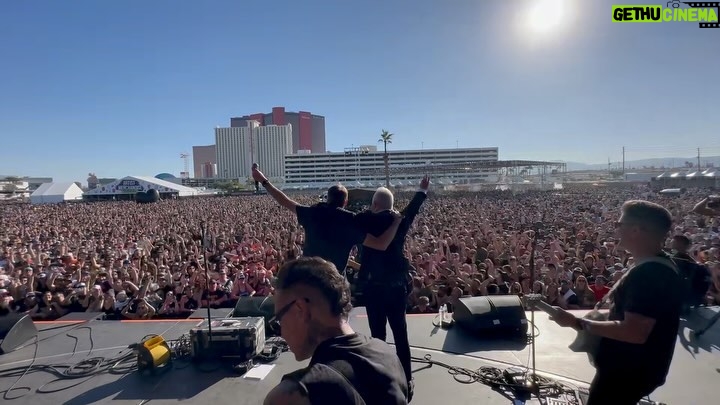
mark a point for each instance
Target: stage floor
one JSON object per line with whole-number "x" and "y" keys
{"x": 694, "y": 375}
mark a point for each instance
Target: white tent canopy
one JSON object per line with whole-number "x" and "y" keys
{"x": 53, "y": 193}
{"x": 134, "y": 184}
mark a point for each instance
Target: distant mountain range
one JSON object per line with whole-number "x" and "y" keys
{"x": 657, "y": 163}
{"x": 665, "y": 163}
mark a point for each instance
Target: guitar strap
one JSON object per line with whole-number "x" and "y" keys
{"x": 658, "y": 259}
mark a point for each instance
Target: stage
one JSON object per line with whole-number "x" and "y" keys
{"x": 694, "y": 375}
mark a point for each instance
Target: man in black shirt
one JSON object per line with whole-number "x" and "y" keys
{"x": 388, "y": 276}
{"x": 638, "y": 339}
{"x": 312, "y": 303}
{"x": 330, "y": 230}
{"x": 696, "y": 277}
{"x": 569, "y": 298}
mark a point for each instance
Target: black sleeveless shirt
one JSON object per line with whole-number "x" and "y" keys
{"x": 353, "y": 370}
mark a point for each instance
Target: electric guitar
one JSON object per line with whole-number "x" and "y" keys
{"x": 584, "y": 342}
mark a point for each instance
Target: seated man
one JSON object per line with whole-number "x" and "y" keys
{"x": 311, "y": 306}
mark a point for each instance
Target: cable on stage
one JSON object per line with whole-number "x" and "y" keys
{"x": 513, "y": 384}
{"x": 148, "y": 355}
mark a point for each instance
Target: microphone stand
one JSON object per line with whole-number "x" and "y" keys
{"x": 207, "y": 279}
{"x": 533, "y": 247}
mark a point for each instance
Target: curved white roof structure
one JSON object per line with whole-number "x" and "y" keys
{"x": 133, "y": 184}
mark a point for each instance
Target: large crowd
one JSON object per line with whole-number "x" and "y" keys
{"x": 140, "y": 261}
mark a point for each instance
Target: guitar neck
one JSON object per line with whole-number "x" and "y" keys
{"x": 536, "y": 301}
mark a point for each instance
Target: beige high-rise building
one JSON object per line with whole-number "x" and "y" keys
{"x": 233, "y": 148}
{"x": 271, "y": 143}
{"x": 237, "y": 148}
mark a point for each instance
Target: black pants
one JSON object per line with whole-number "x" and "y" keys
{"x": 386, "y": 304}
{"x": 617, "y": 388}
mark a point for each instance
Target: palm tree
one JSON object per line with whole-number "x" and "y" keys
{"x": 386, "y": 138}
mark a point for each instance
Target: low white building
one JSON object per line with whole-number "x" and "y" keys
{"x": 14, "y": 190}
{"x": 364, "y": 166}
{"x": 127, "y": 187}
{"x": 20, "y": 188}
{"x": 57, "y": 192}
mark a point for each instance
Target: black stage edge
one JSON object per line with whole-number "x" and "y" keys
{"x": 695, "y": 371}
{"x": 83, "y": 316}
{"x": 215, "y": 313}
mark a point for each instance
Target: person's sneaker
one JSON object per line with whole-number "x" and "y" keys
{"x": 411, "y": 389}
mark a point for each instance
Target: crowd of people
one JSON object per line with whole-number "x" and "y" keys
{"x": 140, "y": 261}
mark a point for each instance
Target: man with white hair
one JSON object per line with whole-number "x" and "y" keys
{"x": 387, "y": 275}
{"x": 383, "y": 200}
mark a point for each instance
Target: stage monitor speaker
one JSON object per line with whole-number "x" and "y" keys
{"x": 254, "y": 307}
{"x": 497, "y": 316}
{"x": 16, "y": 330}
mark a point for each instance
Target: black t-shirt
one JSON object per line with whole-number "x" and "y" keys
{"x": 216, "y": 295}
{"x": 369, "y": 365}
{"x": 191, "y": 304}
{"x": 76, "y": 304}
{"x": 653, "y": 290}
{"x": 19, "y": 306}
{"x": 696, "y": 277}
{"x": 391, "y": 267}
{"x": 331, "y": 232}
{"x": 572, "y": 299}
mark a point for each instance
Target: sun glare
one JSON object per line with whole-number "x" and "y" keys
{"x": 546, "y": 16}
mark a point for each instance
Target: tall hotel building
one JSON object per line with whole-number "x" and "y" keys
{"x": 204, "y": 162}
{"x": 308, "y": 130}
{"x": 237, "y": 148}
{"x": 270, "y": 144}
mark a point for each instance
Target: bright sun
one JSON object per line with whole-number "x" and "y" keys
{"x": 546, "y": 16}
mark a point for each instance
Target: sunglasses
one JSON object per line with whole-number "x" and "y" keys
{"x": 274, "y": 322}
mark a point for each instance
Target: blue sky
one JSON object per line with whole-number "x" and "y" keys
{"x": 123, "y": 87}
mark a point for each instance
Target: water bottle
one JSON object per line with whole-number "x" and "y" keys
{"x": 441, "y": 315}
{"x": 446, "y": 314}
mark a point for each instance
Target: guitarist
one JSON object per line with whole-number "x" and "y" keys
{"x": 638, "y": 339}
